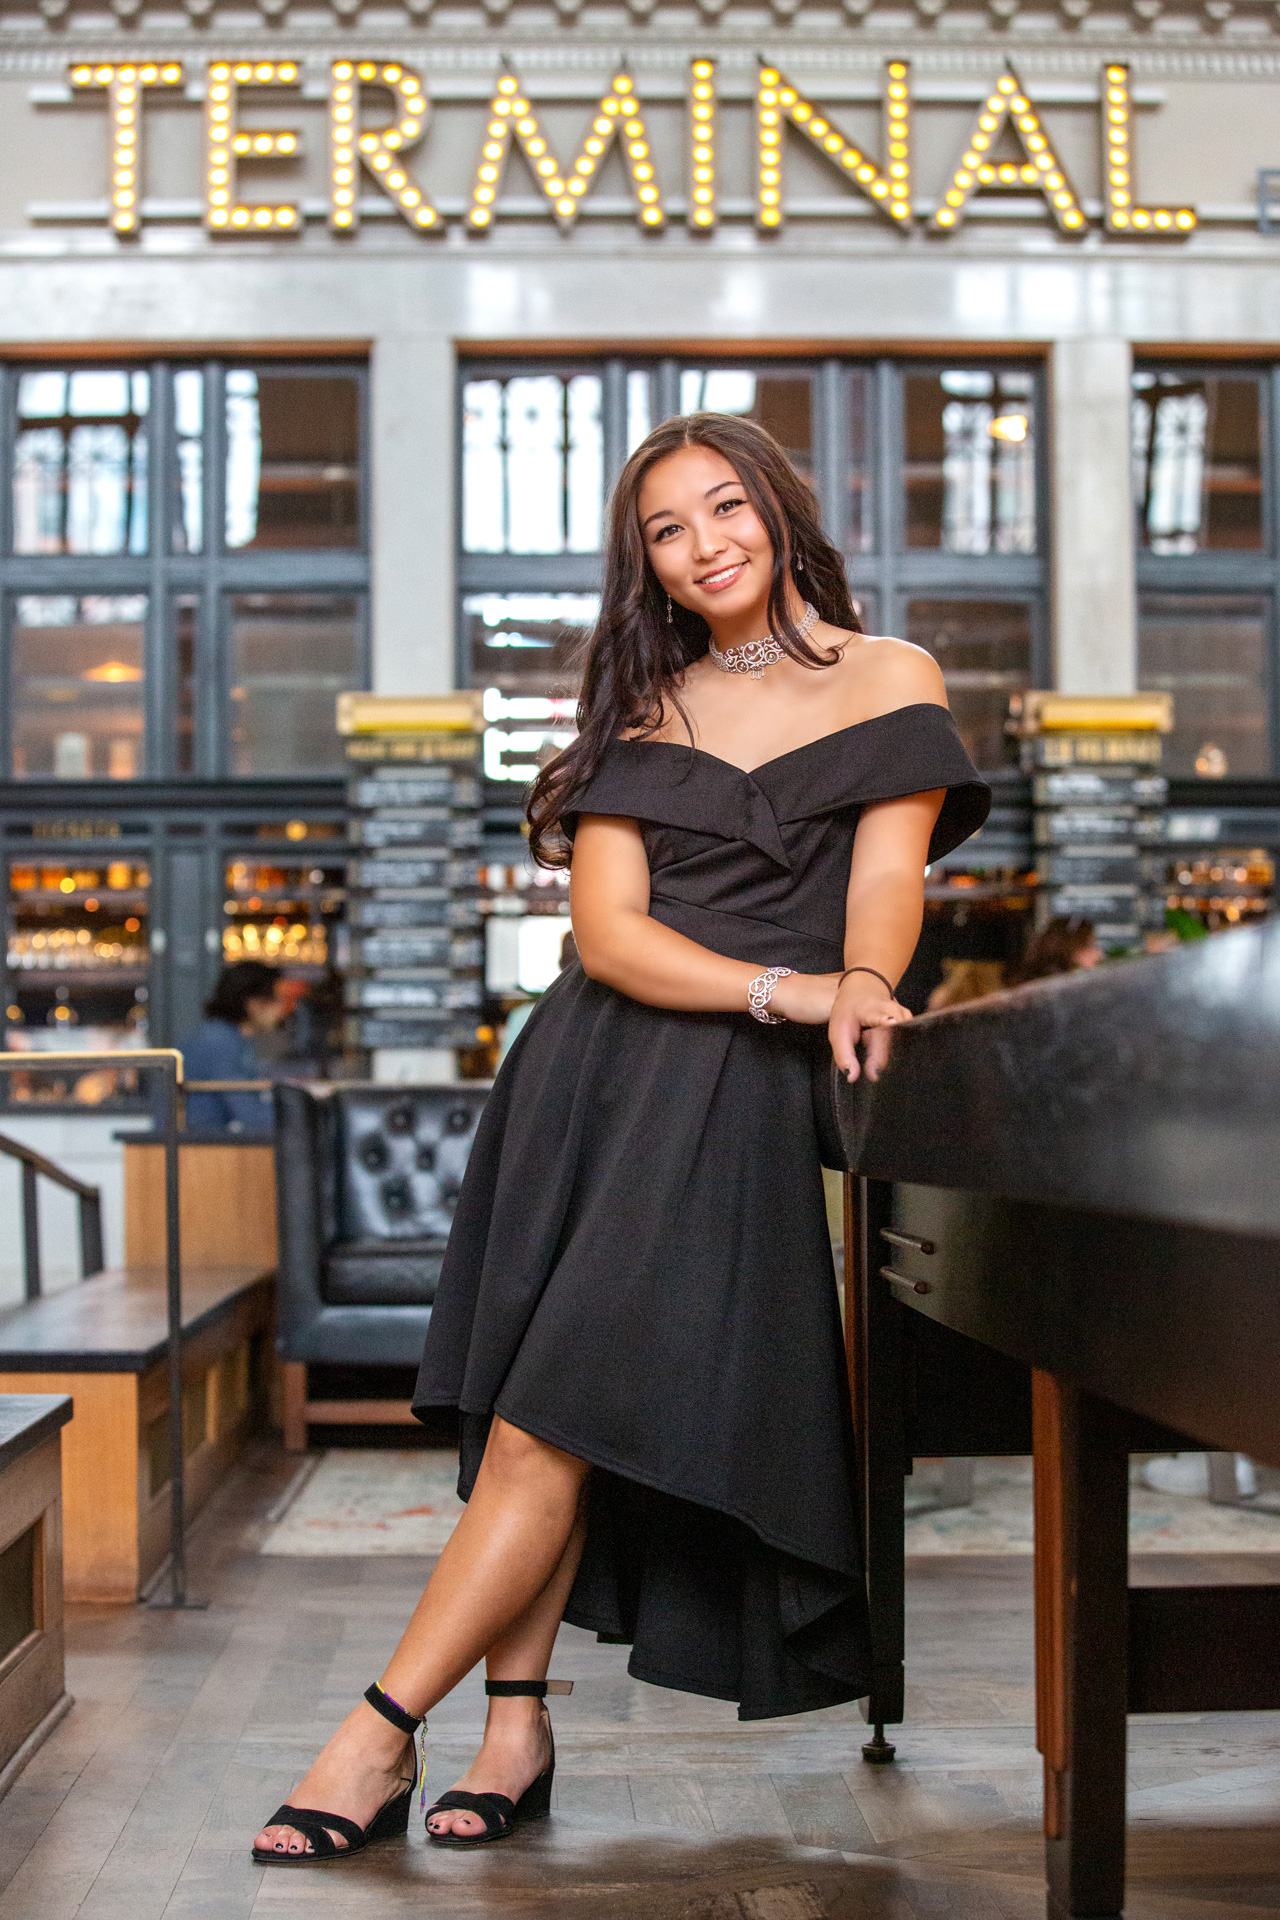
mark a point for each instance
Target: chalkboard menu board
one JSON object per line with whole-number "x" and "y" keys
{"x": 415, "y": 931}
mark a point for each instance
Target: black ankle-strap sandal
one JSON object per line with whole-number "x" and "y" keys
{"x": 500, "y": 1814}
{"x": 388, "y": 1823}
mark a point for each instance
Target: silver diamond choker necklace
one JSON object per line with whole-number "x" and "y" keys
{"x": 753, "y": 656}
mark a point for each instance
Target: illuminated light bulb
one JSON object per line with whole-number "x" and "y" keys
{"x": 391, "y": 73}
{"x": 945, "y": 218}
{"x": 218, "y": 218}
{"x": 506, "y": 84}
{"x": 484, "y": 193}
{"x": 1185, "y": 218}
{"x": 243, "y": 73}
{"x": 564, "y": 206}
{"x": 265, "y": 73}
{"x": 381, "y": 161}
{"x": 1119, "y": 199}
{"x": 479, "y": 218}
{"x": 240, "y": 217}
{"x": 396, "y": 181}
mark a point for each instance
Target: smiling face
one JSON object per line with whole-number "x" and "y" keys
{"x": 704, "y": 539}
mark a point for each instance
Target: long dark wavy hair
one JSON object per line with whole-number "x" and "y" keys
{"x": 635, "y": 657}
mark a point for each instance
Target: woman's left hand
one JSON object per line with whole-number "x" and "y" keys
{"x": 863, "y": 1012}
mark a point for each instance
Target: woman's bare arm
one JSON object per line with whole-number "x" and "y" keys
{"x": 884, "y": 910}
{"x": 621, "y": 944}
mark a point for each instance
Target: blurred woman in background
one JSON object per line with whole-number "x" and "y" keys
{"x": 245, "y": 1002}
{"x": 1060, "y": 947}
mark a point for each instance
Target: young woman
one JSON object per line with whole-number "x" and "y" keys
{"x": 637, "y": 1314}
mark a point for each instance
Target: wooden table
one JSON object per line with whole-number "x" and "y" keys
{"x": 33, "y": 1695}
{"x": 1078, "y": 1179}
{"x": 103, "y": 1343}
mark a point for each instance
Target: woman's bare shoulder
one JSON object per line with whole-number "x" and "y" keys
{"x": 894, "y": 673}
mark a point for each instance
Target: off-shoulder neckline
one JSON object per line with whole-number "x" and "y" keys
{"x": 822, "y": 739}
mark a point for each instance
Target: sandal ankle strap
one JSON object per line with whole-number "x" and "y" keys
{"x": 392, "y": 1710}
{"x": 526, "y": 1689}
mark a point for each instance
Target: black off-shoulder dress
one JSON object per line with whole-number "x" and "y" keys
{"x": 639, "y": 1270}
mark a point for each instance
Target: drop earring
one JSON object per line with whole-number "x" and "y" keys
{"x": 670, "y": 621}
{"x": 799, "y": 564}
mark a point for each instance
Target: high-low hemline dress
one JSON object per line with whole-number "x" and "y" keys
{"x": 639, "y": 1270}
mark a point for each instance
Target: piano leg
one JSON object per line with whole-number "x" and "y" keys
{"x": 873, "y": 1338}
{"x": 1081, "y": 1550}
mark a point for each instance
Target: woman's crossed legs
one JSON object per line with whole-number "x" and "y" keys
{"x": 498, "y": 1589}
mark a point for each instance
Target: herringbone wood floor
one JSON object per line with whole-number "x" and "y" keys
{"x": 189, "y": 1729}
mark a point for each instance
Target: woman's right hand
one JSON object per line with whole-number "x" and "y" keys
{"x": 806, "y": 998}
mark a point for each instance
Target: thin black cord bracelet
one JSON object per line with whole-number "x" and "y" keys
{"x": 875, "y": 976}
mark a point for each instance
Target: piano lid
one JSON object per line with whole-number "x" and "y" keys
{"x": 1149, "y": 1087}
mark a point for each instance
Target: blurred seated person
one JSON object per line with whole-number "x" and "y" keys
{"x": 246, "y": 1002}
{"x": 1060, "y": 947}
{"x": 965, "y": 980}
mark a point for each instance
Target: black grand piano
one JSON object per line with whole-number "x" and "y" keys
{"x": 1064, "y": 1237}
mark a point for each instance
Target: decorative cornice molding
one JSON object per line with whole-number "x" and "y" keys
{"x": 40, "y": 54}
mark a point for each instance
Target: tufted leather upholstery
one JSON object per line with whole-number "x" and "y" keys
{"x": 367, "y": 1178}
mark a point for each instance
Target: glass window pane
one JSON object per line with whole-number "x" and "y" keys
{"x": 293, "y": 459}
{"x": 1209, "y": 651}
{"x": 186, "y": 613}
{"x": 969, "y": 479}
{"x": 532, "y": 464}
{"x": 484, "y": 517}
{"x": 984, "y": 650}
{"x": 1197, "y": 460}
{"x": 527, "y": 642}
{"x": 186, "y": 509}
{"x": 780, "y": 402}
{"x": 80, "y": 462}
{"x": 292, "y": 654}
{"x": 639, "y": 408}
{"x": 78, "y": 673}
{"x": 584, "y": 465}
{"x": 860, "y": 535}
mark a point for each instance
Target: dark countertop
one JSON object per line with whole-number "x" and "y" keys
{"x": 1150, "y": 1087}
{"x": 27, "y": 1420}
{"x": 116, "y": 1322}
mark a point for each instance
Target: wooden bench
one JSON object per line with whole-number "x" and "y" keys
{"x": 33, "y": 1695}
{"x": 226, "y": 1201}
{"x": 103, "y": 1343}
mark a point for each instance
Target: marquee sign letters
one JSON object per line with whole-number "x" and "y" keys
{"x": 364, "y": 145}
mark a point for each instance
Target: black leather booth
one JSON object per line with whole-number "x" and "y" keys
{"x": 367, "y": 1177}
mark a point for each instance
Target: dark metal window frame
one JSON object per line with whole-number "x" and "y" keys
{"x": 887, "y": 577}
{"x": 1229, "y": 571}
{"x": 211, "y": 576}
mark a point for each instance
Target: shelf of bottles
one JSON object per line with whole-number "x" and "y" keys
{"x": 286, "y": 913}
{"x": 77, "y": 964}
{"x": 1230, "y": 887}
{"x": 414, "y": 926}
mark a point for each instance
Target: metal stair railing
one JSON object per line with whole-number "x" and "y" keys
{"x": 33, "y": 1165}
